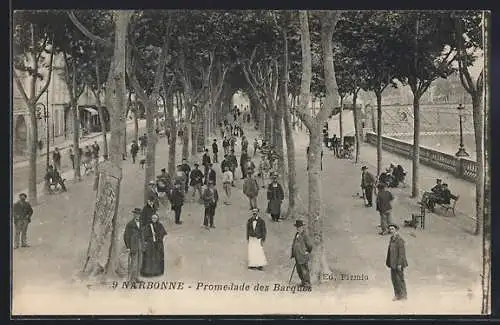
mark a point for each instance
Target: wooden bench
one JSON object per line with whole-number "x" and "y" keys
{"x": 451, "y": 205}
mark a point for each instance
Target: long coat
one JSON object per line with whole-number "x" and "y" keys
{"x": 133, "y": 237}
{"x": 153, "y": 260}
{"x": 251, "y": 187}
{"x": 396, "y": 253}
{"x": 301, "y": 247}
{"x": 260, "y": 231}
{"x": 275, "y": 195}
{"x": 176, "y": 197}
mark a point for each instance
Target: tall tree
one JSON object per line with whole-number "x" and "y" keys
{"x": 149, "y": 94}
{"x": 426, "y": 35}
{"x": 328, "y": 21}
{"x": 32, "y": 37}
{"x": 102, "y": 257}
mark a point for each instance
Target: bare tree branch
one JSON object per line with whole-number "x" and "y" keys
{"x": 88, "y": 33}
{"x": 47, "y": 82}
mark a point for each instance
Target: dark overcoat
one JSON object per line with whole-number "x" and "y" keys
{"x": 301, "y": 247}
{"x": 275, "y": 196}
{"x": 396, "y": 253}
{"x": 133, "y": 237}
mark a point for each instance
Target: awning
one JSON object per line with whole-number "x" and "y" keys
{"x": 91, "y": 110}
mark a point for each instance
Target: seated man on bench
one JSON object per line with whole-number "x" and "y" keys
{"x": 444, "y": 196}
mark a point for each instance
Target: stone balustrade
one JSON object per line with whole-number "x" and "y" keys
{"x": 460, "y": 167}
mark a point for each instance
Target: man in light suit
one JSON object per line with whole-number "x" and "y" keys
{"x": 396, "y": 261}
{"x": 133, "y": 242}
{"x": 301, "y": 249}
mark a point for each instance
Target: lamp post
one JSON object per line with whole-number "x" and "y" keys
{"x": 461, "y": 150}
{"x": 44, "y": 115}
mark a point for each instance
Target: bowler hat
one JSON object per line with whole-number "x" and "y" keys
{"x": 23, "y": 194}
{"x": 137, "y": 211}
{"x": 255, "y": 210}
{"x": 196, "y": 164}
{"x": 364, "y": 167}
{"x": 298, "y": 223}
{"x": 163, "y": 170}
{"x": 393, "y": 225}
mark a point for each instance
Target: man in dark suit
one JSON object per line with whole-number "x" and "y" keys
{"x": 211, "y": 175}
{"x": 148, "y": 211}
{"x": 396, "y": 261}
{"x": 134, "y": 244}
{"x": 205, "y": 161}
{"x": 367, "y": 182}
{"x": 22, "y": 218}
{"x": 301, "y": 249}
{"x": 256, "y": 235}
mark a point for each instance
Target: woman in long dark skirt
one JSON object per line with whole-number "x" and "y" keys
{"x": 153, "y": 261}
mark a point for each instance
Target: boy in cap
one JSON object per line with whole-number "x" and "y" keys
{"x": 301, "y": 249}
{"x": 396, "y": 261}
{"x": 22, "y": 218}
{"x": 210, "y": 198}
{"x": 134, "y": 243}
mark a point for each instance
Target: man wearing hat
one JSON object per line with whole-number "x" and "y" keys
{"x": 186, "y": 169}
{"x": 275, "y": 196}
{"x": 234, "y": 163}
{"x": 205, "y": 160}
{"x": 148, "y": 210}
{"x": 196, "y": 181}
{"x": 367, "y": 182}
{"x": 215, "y": 150}
{"x": 256, "y": 235}
{"x": 134, "y": 243}
{"x": 251, "y": 190}
{"x": 384, "y": 207}
{"x": 301, "y": 249}
{"x": 396, "y": 261}
{"x": 153, "y": 192}
{"x": 22, "y": 217}
{"x": 211, "y": 175}
{"x": 177, "y": 198}
{"x": 210, "y": 198}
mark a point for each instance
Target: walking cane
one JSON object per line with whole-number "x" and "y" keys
{"x": 291, "y": 275}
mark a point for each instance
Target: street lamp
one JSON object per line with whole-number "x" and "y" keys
{"x": 44, "y": 115}
{"x": 461, "y": 150}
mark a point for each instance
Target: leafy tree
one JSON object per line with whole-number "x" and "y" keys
{"x": 33, "y": 36}
{"x": 328, "y": 21}
{"x": 427, "y": 36}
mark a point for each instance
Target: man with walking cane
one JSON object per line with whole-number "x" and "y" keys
{"x": 367, "y": 182}
{"x": 301, "y": 249}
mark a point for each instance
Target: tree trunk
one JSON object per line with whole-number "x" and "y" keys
{"x": 195, "y": 129}
{"x": 136, "y": 124}
{"x": 106, "y": 240}
{"x": 149, "y": 174}
{"x": 379, "y": 132}
{"x": 319, "y": 263}
{"x": 33, "y": 148}
{"x": 341, "y": 128}
{"x": 416, "y": 146}
{"x": 76, "y": 141}
{"x": 187, "y": 127}
{"x": 173, "y": 134}
{"x": 355, "y": 113}
{"x": 101, "y": 112}
{"x": 290, "y": 143}
{"x": 278, "y": 136}
{"x": 486, "y": 267}
{"x": 478, "y": 119}
{"x": 268, "y": 135}
{"x": 372, "y": 111}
